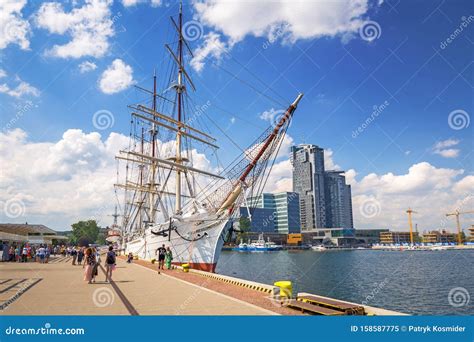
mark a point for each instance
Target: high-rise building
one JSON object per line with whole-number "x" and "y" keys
{"x": 338, "y": 200}
{"x": 308, "y": 182}
{"x": 285, "y": 206}
{"x": 263, "y": 219}
{"x": 325, "y": 198}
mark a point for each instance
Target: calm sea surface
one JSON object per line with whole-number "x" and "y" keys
{"x": 421, "y": 282}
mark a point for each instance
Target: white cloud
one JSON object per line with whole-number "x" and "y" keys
{"x": 75, "y": 174}
{"x": 89, "y": 27}
{"x": 21, "y": 89}
{"x": 329, "y": 163}
{"x": 13, "y": 28}
{"x": 429, "y": 190}
{"x": 130, "y": 3}
{"x": 288, "y": 21}
{"x": 87, "y": 66}
{"x": 446, "y": 143}
{"x": 448, "y": 153}
{"x": 3, "y": 73}
{"x": 442, "y": 148}
{"x": 117, "y": 77}
{"x": 64, "y": 181}
{"x": 212, "y": 47}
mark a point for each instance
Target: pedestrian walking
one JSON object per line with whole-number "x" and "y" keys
{"x": 130, "y": 258}
{"x": 161, "y": 251}
{"x": 110, "y": 264}
{"x": 80, "y": 255}
{"x": 24, "y": 254}
{"x": 41, "y": 254}
{"x": 11, "y": 254}
{"x": 89, "y": 264}
{"x": 168, "y": 257}
{"x": 47, "y": 253}
{"x": 74, "y": 255}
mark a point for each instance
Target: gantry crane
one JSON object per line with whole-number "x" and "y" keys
{"x": 458, "y": 224}
{"x": 410, "y": 211}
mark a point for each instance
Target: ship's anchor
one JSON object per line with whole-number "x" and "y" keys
{"x": 164, "y": 233}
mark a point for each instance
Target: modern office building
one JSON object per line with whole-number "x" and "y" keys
{"x": 471, "y": 234}
{"x": 262, "y": 219}
{"x": 308, "y": 182}
{"x": 285, "y": 208}
{"x": 338, "y": 200}
{"x": 325, "y": 198}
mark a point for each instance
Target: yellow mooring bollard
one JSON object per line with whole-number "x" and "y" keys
{"x": 286, "y": 288}
{"x": 185, "y": 268}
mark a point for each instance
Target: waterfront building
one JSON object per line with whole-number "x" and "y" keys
{"x": 325, "y": 198}
{"x": 28, "y": 233}
{"x": 338, "y": 200}
{"x": 369, "y": 236}
{"x": 390, "y": 238}
{"x": 341, "y": 237}
{"x": 471, "y": 234}
{"x": 308, "y": 182}
{"x": 262, "y": 219}
{"x": 285, "y": 209}
{"x": 442, "y": 236}
{"x": 294, "y": 239}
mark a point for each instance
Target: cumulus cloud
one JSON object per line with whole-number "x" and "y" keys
{"x": 429, "y": 190}
{"x": 289, "y": 21}
{"x": 60, "y": 182}
{"x": 19, "y": 89}
{"x": 426, "y": 188}
{"x": 89, "y": 27}
{"x": 212, "y": 47}
{"x": 13, "y": 28}
{"x": 87, "y": 66}
{"x": 131, "y": 3}
{"x": 329, "y": 163}
{"x": 443, "y": 148}
{"x": 117, "y": 77}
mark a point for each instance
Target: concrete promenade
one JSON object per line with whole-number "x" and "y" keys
{"x": 58, "y": 288}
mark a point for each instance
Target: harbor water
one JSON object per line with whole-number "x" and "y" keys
{"x": 413, "y": 282}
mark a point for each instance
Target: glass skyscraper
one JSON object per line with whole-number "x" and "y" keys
{"x": 285, "y": 206}
{"x": 325, "y": 198}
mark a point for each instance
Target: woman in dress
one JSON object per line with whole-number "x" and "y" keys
{"x": 89, "y": 264}
{"x": 168, "y": 258}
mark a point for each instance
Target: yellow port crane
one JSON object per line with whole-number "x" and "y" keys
{"x": 458, "y": 224}
{"x": 409, "y": 212}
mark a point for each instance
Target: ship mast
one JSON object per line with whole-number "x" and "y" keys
{"x": 151, "y": 196}
{"x": 179, "y": 89}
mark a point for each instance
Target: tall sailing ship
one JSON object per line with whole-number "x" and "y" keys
{"x": 167, "y": 199}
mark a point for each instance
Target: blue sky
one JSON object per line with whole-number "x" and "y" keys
{"x": 409, "y": 68}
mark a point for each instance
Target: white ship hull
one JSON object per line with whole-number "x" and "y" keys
{"x": 196, "y": 240}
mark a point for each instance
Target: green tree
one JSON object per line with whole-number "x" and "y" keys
{"x": 244, "y": 227}
{"x": 85, "y": 232}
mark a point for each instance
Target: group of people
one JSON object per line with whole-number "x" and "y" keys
{"x": 77, "y": 255}
{"x": 91, "y": 263}
{"x": 27, "y": 252}
{"x": 165, "y": 256}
